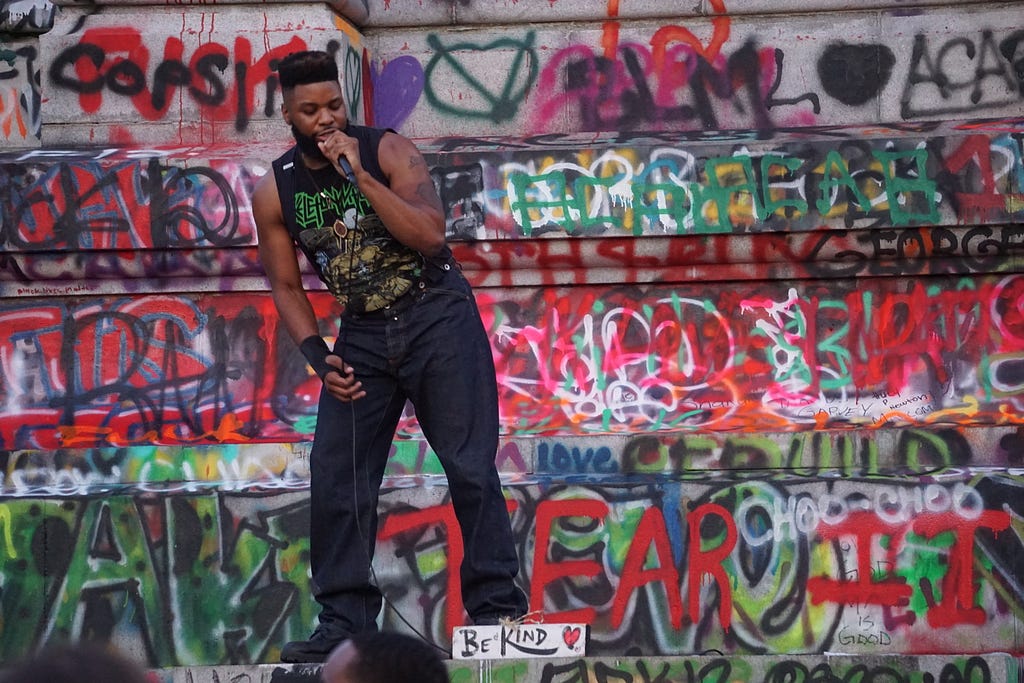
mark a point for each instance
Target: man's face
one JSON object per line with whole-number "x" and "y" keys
{"x": 336, "y": 668}
{"x": 313, "y": 110}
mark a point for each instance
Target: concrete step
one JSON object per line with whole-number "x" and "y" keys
{"x": 569, "y": 70}
{"x": 78, "y": 76}
{"x": 868, "y": 452}
{"x": 159, "y": 75}
{"x": 391, "y": 14}
{"x": 637, "y": 668}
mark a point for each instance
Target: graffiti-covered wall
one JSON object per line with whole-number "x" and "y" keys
{"x": 752, "y": 278}
{"x": 734, "y": 64}
{"x": 130, "y": 74}
{"x": 845, "y": 300}
{"x": 743, "y": 566}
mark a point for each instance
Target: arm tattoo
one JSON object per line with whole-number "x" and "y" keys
{"x": 415, "y": 160}
{"x": 428, "y": 193}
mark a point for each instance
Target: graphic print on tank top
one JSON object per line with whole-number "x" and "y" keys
{"x": 363, "y": 266}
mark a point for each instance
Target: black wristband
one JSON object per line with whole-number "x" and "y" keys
{"x": 315, "y": 349}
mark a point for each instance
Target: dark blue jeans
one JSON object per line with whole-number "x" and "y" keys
{"x": 432, "y": 349}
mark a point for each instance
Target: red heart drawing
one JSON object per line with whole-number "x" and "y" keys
{"x": 571, "y": 635}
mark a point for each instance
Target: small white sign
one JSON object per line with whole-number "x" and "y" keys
{"x": 516, "y": 641}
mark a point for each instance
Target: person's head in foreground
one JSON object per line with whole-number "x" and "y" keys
{"x": 86, "y": 662}
{"x": 384, "y": 657}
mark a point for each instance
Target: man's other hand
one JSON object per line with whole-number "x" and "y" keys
{"x": 342, "y": 384}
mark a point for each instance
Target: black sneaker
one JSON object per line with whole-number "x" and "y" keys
{"x": 320, "y": 644}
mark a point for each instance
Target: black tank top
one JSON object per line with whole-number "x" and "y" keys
{"x": 336, "y": 227}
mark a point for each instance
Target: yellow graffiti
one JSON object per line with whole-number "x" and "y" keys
{"x": 5, "y": 518}
{"x": 971, "y": 408}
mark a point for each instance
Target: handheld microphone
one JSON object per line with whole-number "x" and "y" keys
{"x": 347, "y": 168}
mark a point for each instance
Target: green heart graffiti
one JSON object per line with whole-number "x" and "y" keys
{"x": 497, "y": 106}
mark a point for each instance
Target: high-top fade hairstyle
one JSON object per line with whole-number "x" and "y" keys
{"x": 309, "y": 66}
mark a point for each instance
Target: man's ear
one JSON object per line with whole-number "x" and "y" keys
{"x": 285, "y": 115}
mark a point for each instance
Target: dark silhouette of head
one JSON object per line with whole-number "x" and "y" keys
{"x": 384, "y": 657}
{"x": 85, "y": 662}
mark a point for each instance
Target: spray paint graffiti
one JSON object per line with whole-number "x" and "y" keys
{"x": 841, "y": 354}
{"x": 935, "y": 85}
{"x": 222, "y": 82}
{"x": 690, "y": 374}
{"x": 764, "y": 566}
{"x": 862, "y": 179}
{"x": 673, "y": 88}
{"x": 498, "y": 106}
{"x": 152, "y": 495}
{"x": 176, "y": 370}
{"x": 119, "y": 370}
{"x": 141, "y": 218}
{"x": 723, "y": 71}
{"x": 284, "y": 466}
{"x": 139, "y": 565}
{"x": 20, "y": 93}
{"x": 198, "y": 87}
{"x": 673, "y": 362}
{"x": 26, "y": 16}
{"x": 855, "y": 74}
{"x": 821, "y": 254}
{"x": 989, "y": 668}
{"x": 764, "y": 669}
{"x": 396, "y": 90}
{"x": 83, "y": 206}
{"x": 749, "y": 186}
{"x": 49, "y": 274}
{"x": 854, "y": 184}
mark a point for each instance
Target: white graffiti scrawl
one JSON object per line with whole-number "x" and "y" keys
{"x": 27, "y": 16}
{"x": 20, "y": 98}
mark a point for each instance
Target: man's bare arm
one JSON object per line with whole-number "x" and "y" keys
{"x": 409, "y": 207}
{"x": 277, "y": 254}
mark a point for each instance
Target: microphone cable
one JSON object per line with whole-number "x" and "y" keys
{"x": 374, "y": 580}
{"x": 342, "y": 346}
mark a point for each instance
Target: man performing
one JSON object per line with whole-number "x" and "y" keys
{"x": 361, "y": 205}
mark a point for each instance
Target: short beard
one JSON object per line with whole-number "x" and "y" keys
{"x": 308, "y": 145}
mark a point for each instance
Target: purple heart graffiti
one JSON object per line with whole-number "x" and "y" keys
{"x": 396, "y": 90}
